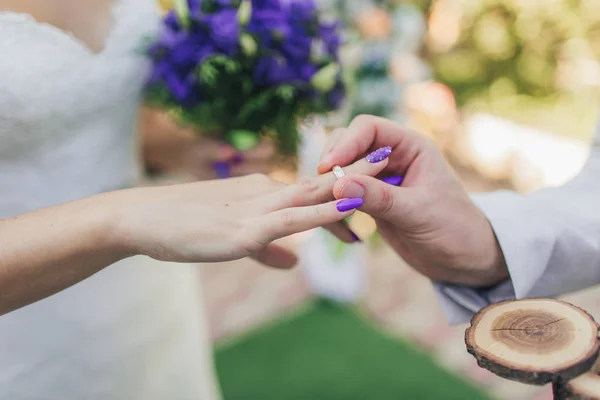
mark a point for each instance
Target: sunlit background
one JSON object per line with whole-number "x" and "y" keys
{"x": 509, "y": 91}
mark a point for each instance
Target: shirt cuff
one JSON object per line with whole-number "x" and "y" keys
{"x": 460, "y": 303}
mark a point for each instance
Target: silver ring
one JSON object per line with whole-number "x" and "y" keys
{"x": 338, "y": 172}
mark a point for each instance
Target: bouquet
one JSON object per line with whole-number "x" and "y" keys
{"x": 241, "y": 70}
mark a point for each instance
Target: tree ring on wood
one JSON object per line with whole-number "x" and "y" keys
{"x": 534, "y": 341}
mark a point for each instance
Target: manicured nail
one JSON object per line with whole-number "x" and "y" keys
{"x": 394, "y": 180}
{"x": 355, "y": 237}
{"x": 222, "y": 169}
{"x": 349, "y": 204}
{"x": 379, "y": 154}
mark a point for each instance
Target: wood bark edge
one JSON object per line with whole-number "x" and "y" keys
{"x": 504, "y": 369}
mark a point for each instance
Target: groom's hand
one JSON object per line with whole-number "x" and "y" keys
{"x": 429, "y": 219}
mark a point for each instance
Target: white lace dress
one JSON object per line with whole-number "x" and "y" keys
{"x": 67, "y": 120}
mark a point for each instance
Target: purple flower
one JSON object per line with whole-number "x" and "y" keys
{"x": 273, "y": 71}
{"x": 289, "y": 45}
{"x": 297, "y": 47}
{"x": 180, "y": 89}
{"x": 306, "y": 72}
{"x": 302, "y": 10}
{"x": 224, "y": 30}
{"x": 195, "y": 6}
{"x": 331, "y": 37}
{"x": 269, "y": 25}
{"x": 260, "y": 5}
{"x": 336, "y": 96}
{"x": 171, "y": 21}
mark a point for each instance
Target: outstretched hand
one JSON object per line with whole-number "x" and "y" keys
{"x": 228, "y": 219}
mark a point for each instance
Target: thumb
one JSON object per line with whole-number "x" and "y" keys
{"x": 381, "y": 199}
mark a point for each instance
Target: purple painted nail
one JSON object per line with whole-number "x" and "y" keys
{"x": 349, "y": 204}
{"x": 394, "y": 180}
{"x": 379, "y": 154}
{"x": 355, "y": 237}
{"x": 222, "y": 169}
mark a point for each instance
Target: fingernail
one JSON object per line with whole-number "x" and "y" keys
{"x": 394, "y": 180}
{"x": 352, "y": 189}
{"x": 355, "y": 237}
{"x": 222, "y": 169}
{"x": 379, "y": 154}
{"x": 349, "y": 204}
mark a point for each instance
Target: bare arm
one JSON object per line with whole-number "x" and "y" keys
{"x": 46, "y": 251}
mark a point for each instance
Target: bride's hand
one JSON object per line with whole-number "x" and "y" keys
{"x": 228, "y": 219}
{"x": 173, "y": 148}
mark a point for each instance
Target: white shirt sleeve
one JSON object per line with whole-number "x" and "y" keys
{"x": 550, "y": 239}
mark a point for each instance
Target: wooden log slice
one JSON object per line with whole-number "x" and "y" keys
{"x": 584, "y": 387}
{"x": 534, "y": 341}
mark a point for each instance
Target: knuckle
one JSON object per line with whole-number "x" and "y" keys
{"x": 307, "y": 189}
{"x": 249, "y": 240}
{"x": 362, "y": 119}
{"x": 308, "y": 185}
{"x": 385, "y": 200}
{"x": 287, "y": 218}
{"x": 319, "y": 212}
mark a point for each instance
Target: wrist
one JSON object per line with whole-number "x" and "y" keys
{"x": 110, "y": 228}
{"x": 490, "y": 263}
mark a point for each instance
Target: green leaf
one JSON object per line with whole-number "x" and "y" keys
{"x": 243, "y": 140}
{"x": 207, "y": 74}
{"x": 244, "y": 12}
{"x": 286, "y": 93}
{"x": 248, "y": 45}
{"x": 324, "y": 79}
{"x": 183, "y": 12}
{"x": 256, "y": 104}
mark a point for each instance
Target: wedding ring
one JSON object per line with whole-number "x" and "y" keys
{"x": 338, "y": 172}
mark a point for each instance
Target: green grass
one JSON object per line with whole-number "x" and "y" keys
{"x": 330, "y": 353}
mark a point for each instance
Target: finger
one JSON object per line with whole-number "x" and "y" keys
{"x": 342, "y": 232}
{"x": 243, "y": 188}
{"x": 332, "y": 139}
{"x": 206, "y": 148}
{"x": 251, "y": 168}
{"x": 318, "y": 189}
{"x": 263, "y": 152}
{"x": 368, "y": 132}
{"x": 381, "y": 200}
{"x": 289, "y": 221}
{"x": 276, "y": 256}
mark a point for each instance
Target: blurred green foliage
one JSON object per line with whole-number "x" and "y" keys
{"x": 513, "y": 56}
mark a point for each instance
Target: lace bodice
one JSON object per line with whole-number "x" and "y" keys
{"x": 66, "y": 113}
{"x": 67, "y": 117}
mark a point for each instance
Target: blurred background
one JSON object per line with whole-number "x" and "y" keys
{"x": 509, "y": 91}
